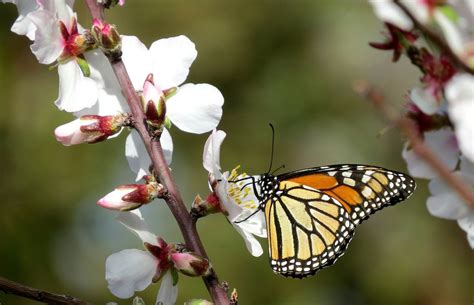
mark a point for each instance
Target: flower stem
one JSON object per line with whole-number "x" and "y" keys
{"x": 18, "y": 289}
{"x": 407, "y": 126}
{"x": 436, "y": 39}
{"x": 173, "y": 197}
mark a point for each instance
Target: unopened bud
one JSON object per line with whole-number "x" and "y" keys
{"x": 153, "y": 103}
{"x": 190, "y": 263}
{"x": 202, "y": 208}
{"x": 108, "y": 38}
{"x": 131, "y": 196}
{"x": 89, "y": 129}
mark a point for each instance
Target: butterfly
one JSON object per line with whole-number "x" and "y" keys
{"x": 311, "y": 214}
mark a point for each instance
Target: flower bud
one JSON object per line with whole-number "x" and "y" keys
{"x": 89, "y": 129}
{"x": 202, "y": 208}
{"x": 153, "y": 103}
{"x": 131, "y": 196}
{"x": 108, "y": 38}
{"x": 190, "y": 263}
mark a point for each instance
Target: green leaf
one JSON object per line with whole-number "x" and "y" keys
{"x": 86, "y": 71}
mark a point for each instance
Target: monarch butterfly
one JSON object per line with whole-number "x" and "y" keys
{"x": 311, "y": 214}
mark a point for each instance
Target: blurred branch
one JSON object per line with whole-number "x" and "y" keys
{"x": 10, "y": 287}
{"x": 436, "y": 39}
{"x": 407, "y": 126}
{"x": 173, "y": 198}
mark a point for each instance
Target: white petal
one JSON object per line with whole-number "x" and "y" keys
{"x": 443, "y": 144}
{"x": 128, "y": 271}
{"x": 195, "y": 108}
{"x": 256, "y": 224}
{"x": 460, "y": 95}
{"x": 168, "y": 292}
{"x": 136, "y": 154}
{"x": 137, "y": 60}
{"x": 47, "y": 45}
{"x": 447, "y": 205}
{"x": 172, "y": 58}
{"x": 253, "y": 246}
{"x": 451, "y": 32}
{"x": 467, "y": 224}
{"x": 445, "y": 202}
{"x": 424, "y": 100}
{"x": 76, "y": 91}
{"x": 467, "y": 170}
{"x": 419, "y": 10}
{"x": 387, "y": 11}
{"x": 231, "y": 207}
{"x": 134, "y": 221}
{"x": 23, "y": 25}
{"x": 211, "y": 154}
{"x": 167, "y": 145}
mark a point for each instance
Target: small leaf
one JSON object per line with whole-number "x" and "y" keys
{"x": 449, "y": 12}
{"x": 86, "y": 71}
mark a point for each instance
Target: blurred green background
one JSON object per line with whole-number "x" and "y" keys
{"x": 291, "y": 63}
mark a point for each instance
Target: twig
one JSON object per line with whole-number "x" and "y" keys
{"x": 435, "y": 38}
{"x": 18, "y": 289}
{"x": 174, "y": 200}
{"x": 407, "y": 126}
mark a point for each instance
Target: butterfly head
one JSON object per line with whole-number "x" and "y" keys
{"x": 267, "y": 186}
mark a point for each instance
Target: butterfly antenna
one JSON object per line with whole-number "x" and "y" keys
{"x": 273, "y": 146}
{"x": 280, "y": 167}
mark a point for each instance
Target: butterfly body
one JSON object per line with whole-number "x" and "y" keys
{"x": 311, "y": 214}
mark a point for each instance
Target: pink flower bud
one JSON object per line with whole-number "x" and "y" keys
{"x": 107, "y": 36}
{"x": 89, "y": 129}
{"x": 153, "y": 103}
{"x": 190, "y": 264}
{"x": 131, "y": 196}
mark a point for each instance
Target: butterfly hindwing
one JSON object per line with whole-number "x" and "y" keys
{"x": 307, "y": 230}
{"x": 361, "y": 189}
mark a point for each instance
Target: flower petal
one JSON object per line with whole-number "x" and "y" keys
{"x": 137, "y": 60}
{"x": 445, "y": 203}
{"x": 136, "y": 154}
{"x": 76, "y": 91}
{"x": 387, "y": 11}
{"x": 134, "y": 221}
{"x": 167, "y": 145}
{"x": 253, "y": 246}
{"x": 467, "y": 224}
{"x": 172, "y": 58}
{"x": 460, "y": 95}
{"x": 211, "y": 154}
{"x": 47, "y": 45}
{"x": 168, "y": 292}
{"x": 195, "y": 108}
{"x": 128, "y": 271}
{"x": 424, "y": 100}
{"x": 443, "y": 143}
{"x": 23, "y": 25}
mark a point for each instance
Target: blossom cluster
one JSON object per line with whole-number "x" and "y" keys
{"x": 90, "y": 91}
{"x": 442, "y": 105}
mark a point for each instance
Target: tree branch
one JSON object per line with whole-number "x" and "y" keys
{"x": 173, "y": 199}
{"x": 10, "y": 287}
{"x": 407, "y": 126}
{"x": 436, "y": 39}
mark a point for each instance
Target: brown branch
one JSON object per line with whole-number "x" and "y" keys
{"x": 436, "y": 39}
{"x": 174, "y": 200}
{"x": 10, "y": 287}
{"x": 407, "y": 126}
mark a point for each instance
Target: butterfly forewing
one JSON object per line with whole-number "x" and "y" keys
{"x": 361, "y": 189}
{"x": 307, "y": 229}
